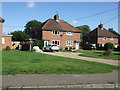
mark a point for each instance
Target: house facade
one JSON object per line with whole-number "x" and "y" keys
{"x": 99, "y": 36}
{"x": 59, "y": 32}
{"x": 6, "y": 41}
{"x": 1, "y": 22}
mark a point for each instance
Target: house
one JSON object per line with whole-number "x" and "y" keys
{"x": 1, "y": 22}
{"x": 99, "y": 36}
{"x": 6, "y": 41}
{"x": 59, "y": 32}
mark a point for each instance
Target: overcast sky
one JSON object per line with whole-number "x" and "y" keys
{"x": 17, "y": 14}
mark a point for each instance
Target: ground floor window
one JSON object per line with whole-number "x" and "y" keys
{"x": 56, "y": 42}
{"x": 69, "y": 43}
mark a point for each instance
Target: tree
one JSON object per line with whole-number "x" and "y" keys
{"x": 19, "y": 35}
{"x": 113, "y": 31}
{"x": 84, "y": 30}
{"x": 30, "y": 26}
{"x": 39, "y": 43}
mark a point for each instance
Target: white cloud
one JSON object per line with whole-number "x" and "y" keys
{"x": 31, "y": 4}
{"x": 74, "y": 22}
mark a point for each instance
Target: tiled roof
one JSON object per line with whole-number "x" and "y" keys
{"x": 105, "y": 33}
{"x": 2, "y": 20}
{"x": 52, "y": 24}
{"x": 101, "y": 32}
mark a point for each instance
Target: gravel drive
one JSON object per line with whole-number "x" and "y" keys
{"x": 75, "y": 55}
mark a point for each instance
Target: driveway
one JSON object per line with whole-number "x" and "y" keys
{"x": 75, "y": 55}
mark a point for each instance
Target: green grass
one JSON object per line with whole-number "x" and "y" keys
{"x": 22, "y": 62}
{"x": 97, "y": 54}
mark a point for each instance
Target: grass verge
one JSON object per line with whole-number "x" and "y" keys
{"x": 22, "y": 62}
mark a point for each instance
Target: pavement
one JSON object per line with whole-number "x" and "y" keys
{"x": 58, "y": 79}
{"x": 75, "y": 55}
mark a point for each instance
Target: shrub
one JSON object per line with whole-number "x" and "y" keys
{"x": 39, "y": 43}
{"x": 107, "y": 52}
{"x": 61, "y": 48}
{"x": 7, "y": 48}
{"x": 66, "y": 48}
{"x": 108, "y": 46}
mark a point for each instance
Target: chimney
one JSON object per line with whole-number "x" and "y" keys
{"x": 56, "y": 17}
{"x": 100, "y": 26}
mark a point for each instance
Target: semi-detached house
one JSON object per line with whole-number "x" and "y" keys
{"x": 59, "y": 32}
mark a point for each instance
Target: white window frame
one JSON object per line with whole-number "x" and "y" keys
{"x": 69, "y": 43}
{"x": 3, "y": 40}
{"x": 69, "y": 33}
{"x": 104, "y": 38}
{"x": 53, "y": 32}
{"x": 111, "y": 38}
{"x": 57, "y": 42}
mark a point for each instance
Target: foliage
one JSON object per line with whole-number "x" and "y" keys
{"x": 19, "y": 36}
{"x": 84, "y": 30}
{"x": 108, "y": 46}
{"x": 113, "y": 31}
{"x": 23, "y": 62}
{"x": 30, "y": 26}
{"x": 107, "y": 52}
{"x": 39, "y": 43}
{"x": 7, "y": 48}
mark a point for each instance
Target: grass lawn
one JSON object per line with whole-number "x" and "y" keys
{"x": 22, "y": 62}
{"x": 97, "y": 54}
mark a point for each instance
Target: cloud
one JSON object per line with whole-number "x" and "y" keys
{"x": 31, "y": 4}
{"x": 74, "y": 22}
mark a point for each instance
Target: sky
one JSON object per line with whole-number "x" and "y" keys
{"x": 17, "y": 14}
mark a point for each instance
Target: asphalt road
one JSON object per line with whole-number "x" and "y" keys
{"x": 58, "y": 79}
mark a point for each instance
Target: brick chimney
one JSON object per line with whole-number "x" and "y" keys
{"x": 100, "y": 26}
{"x": 56, "y": 17}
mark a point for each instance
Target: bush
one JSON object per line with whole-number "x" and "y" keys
{"x": 107, "y": 52}
{"x": 7, "y": 48}
{"x": 39, "y": 43}
{"x": 108, "y": 46}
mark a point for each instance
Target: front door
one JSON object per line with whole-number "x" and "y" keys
{"x": 77, "y": 46}
{"x": 45, "y": 43}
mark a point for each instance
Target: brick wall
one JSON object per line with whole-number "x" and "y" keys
{"x": 114, "y": 41}
{"x": 7, "y": 41}
{"x": 47, "y": 35}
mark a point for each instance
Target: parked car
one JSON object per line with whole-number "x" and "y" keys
{"x": 51, "y": 47}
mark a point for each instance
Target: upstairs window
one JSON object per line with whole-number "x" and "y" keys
{"x": 105, "y": 38}
{"x": 3, "y": 40}
{"x": 69, "y": 33}
{"x": 56, "y": 32}
{"x": 111, "y": 38}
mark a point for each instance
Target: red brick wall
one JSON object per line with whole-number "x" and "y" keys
{"x": 47, "y": 35}
{"x": 0, "y": 35}
{"x": 7, "y": 41}
{"x": 115, "y": 41}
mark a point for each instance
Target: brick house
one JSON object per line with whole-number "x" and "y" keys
{"x": 6, "y": 41}
{"x": 99, "y": 36}
{"x": 59, "y": 32}
{"x": 1, "y": 22}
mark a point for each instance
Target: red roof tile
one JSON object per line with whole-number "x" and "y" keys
{"x": 2, "y": 20}
{"x": 52, "y": 24}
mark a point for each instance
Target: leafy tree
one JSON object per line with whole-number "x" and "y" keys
{"x": 19, "y": 35}
{"x": 30, "y": 26}
{"x": 84, "y": 30}
{"x": 109, "y": 46}
{"x": 113, "y": 31}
